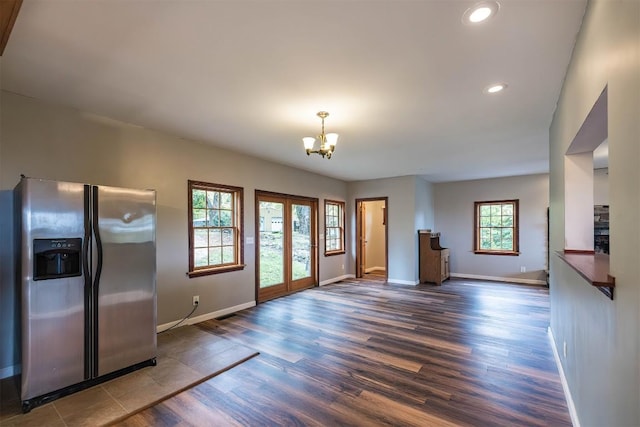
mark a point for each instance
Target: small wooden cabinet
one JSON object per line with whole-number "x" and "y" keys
{"x": 434, "y": 259}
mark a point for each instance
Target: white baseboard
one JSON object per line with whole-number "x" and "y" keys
{"x": 499, "y": 279}
{"x": 352, "y": 276}
{"x": 337, "y": 279}
{"x": 403, "y": 282}
{"x": 9, "y": 371}
{"x": 208, "y": 316}
{"x": 565, "y": 386}
{"x": 370, "y": 269}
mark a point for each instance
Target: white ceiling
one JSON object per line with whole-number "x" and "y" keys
{"x": 402, "y": 80}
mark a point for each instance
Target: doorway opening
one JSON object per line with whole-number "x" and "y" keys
{"x": 372, "y": 259}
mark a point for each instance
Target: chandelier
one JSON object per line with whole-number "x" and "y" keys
{"x": 327, "y": 141}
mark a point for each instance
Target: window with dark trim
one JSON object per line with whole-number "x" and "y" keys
{"x": 496, "y": 227}
{"x": 333, "y": 227}
{"x": 215, "y": 228}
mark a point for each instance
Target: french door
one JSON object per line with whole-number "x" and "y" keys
{"x": 286, "y": 247}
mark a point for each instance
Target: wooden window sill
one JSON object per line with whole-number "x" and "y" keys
{"x": 594, "y": 268}
{"x": 342, "y": 252}
{"x": 507, "y": 253}
{"x": 215, "y": 270}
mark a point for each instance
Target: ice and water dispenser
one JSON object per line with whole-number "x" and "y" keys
{"x": 56, "y": 258}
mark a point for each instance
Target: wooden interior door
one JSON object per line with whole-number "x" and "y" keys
{"x": 286, "y": 246}
{"x": 361, "y": 251}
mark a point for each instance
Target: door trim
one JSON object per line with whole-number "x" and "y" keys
{"x": 360, "y": 234}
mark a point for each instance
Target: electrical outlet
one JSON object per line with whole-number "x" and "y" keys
{"x": 196, "y": 300}
{"x": 523, "y": 269}
{"x": 564, "y": 349}
{"x": 342, "y": 267}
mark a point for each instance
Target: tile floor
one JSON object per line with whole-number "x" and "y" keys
{"x": 186, "y": 356}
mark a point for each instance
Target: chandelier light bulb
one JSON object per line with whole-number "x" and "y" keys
{"x": 332, "y": 139}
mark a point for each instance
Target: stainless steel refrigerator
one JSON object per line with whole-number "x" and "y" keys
{"x": 87, "y": 279}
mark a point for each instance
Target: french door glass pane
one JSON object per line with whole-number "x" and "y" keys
{"x": 271, "y": 244}
{"x": 301, "y": 241}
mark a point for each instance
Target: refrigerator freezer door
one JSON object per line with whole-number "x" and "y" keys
{"x": 126, "y": 288}
{"x": 53, "y": 320}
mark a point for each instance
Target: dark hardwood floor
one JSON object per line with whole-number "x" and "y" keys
{"x": 362, "y": 352}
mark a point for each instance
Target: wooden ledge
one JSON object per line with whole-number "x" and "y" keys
{"x": 594, "y": 268}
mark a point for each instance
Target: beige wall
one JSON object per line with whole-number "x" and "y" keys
{"x": 454, "y": 219}
{"x": 424, "y": 214}
{"x": 409, "y": 206}
{"x": 53, "y": 142}
{"x": 601, "y": 187}
{"x": 602, "y": 366}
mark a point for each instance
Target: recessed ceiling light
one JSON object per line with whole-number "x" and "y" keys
{"x": 480, "y": 12}
{"x": 495, "y": 88}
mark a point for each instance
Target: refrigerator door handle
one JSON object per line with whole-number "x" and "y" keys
{"x": 96, "y": 276}
{"x": 96, "y": 233}
{"x": 88, "y": 303}
{"x": 87, "y": 237}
